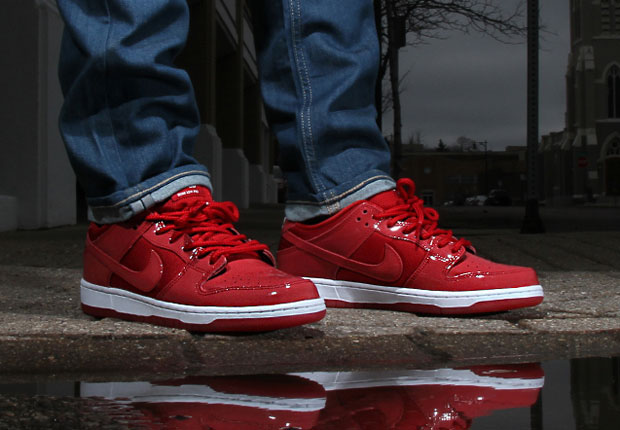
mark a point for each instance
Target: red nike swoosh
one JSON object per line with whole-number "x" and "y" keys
{"x": 389, "y": 269}
{"x": 144, "y": 280}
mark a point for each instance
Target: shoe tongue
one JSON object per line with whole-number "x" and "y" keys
{"x": 194, "y": 192}
{"x": 199, "y": 193}
{"x": 387, "y": 199}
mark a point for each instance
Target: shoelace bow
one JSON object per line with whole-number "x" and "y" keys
{"x": 418, "y": 218}
{"x": 208, "y": 226}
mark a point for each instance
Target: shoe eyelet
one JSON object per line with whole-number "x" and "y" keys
{"x": 365, "y": 211}
{"x": 358, "y": 219}
{"x": 366, "y": 224}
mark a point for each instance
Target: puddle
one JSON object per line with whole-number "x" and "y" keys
{"x": 576, "y": 394}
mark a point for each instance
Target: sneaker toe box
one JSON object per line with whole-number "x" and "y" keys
{"x": 479, "y": 273}
{"x": 245, "y": 282}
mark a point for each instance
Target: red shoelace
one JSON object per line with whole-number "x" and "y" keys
{"x": 418, "y": 218}
{"x": 208, "y": 226}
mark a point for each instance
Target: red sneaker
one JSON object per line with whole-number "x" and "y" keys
{"x": 181, "y": 264}
{"x": 438, "y": 399}
{"x": 264, "y": 402}
{"x": 387, "y": 252}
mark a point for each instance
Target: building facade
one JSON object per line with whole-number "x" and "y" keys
{"x": 37, "y": 185}
{"x": 442, "y": 177}
{"x": 582, "y": 162}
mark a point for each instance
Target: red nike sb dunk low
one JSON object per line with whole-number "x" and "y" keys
{"x": 438, "y": 399}
{"x": 249, "y": 402}
{"x": 182, "y": 264}
{"x": 387, "y": 252}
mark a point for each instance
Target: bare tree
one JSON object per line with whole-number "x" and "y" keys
{"x": 413, "y": 22}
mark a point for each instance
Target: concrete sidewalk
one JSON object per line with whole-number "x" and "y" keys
{"x": 43, "y": 331}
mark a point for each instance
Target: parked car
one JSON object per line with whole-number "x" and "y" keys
{"x": 498, "y": 198}
{"x": 475, "y": 200}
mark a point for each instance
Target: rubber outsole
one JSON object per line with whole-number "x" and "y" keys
{"x": 104, "y": 302}
{"x": 452, "y": 377}
{"x": 346, "y": 294}
{"x": 147, "y": 392}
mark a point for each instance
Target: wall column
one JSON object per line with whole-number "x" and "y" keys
{"x": 36, "y": 180}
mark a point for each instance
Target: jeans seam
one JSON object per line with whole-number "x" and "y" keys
{"x": 335, "y": 199}
{"x": 306, "y": 90}
{"x": 334, "y": 207}
{"x": 105, "y": 80}
{"x": 159, "y": 184}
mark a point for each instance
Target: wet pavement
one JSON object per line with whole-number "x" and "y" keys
{"x": 579, "y": 394}
{"x": 44, "y": 335}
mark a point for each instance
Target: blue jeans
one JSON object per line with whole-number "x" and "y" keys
{"x": 130, "y": 119}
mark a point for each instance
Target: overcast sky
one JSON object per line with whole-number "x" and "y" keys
{"x": 474, "y": 86}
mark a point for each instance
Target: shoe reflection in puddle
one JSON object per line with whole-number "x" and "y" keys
{"x": 377, "y": 400}
{"x": 266, "y": 402}
{"x": 424, "y": 399}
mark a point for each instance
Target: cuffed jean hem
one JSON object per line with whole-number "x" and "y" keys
{"x": 147, "y": 194}
{"x": 301, "y": 211}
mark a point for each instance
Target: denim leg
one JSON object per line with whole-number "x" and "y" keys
{"x": 318, "y": 63}
{"x": 130, "y": 119}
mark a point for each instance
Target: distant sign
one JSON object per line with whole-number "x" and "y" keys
{"x": 582, "y": 162}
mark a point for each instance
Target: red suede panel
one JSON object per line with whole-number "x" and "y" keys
{"x": 299, "y": 263}
{"x": 284, "y": 244}
{"x": 117, "y": 282}
{"x": 413, "y": 255}
{"x": 173, "y": 265}
{"x": 317, "y": 231}
{"x": 94, "y": 271}
{"x": 119, "y": 238}
{"x": 94, "y": 230}
{"x": 136, "y": 259}
{"x": 373, "y": 251}
{"x": 345, "y": 236}
{"x": 387, "y": 199}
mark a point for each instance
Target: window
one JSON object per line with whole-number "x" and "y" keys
{"x": 605, "y": 17}
{"x": 610, "y": 16}
{"x": 613, "y": 92}
{"x": 612, "y": 168}
{"x": 613, "y": 149}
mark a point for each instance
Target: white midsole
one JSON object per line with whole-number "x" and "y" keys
{"x": 127, "y": 302}
{"x": 357, "y": 292}
{"x": 146, "y": 392}
{"x": 453, "y": 377}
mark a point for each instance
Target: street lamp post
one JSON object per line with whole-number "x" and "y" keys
{"x": 532, "y": 222}
{"x": 397, "y": 38}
